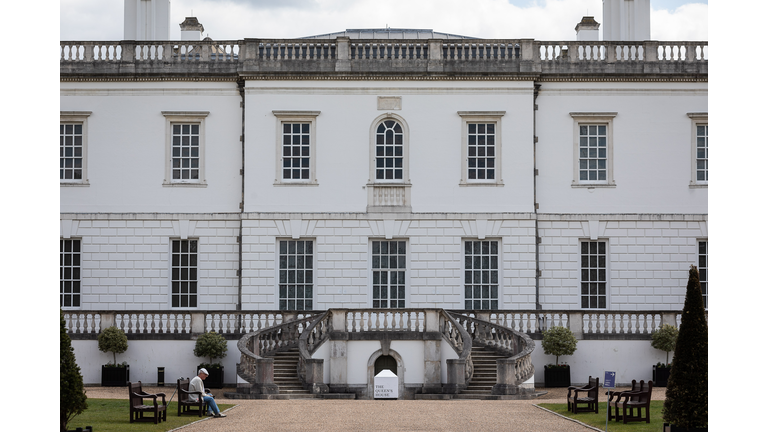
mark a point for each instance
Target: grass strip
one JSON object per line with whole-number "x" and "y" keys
{"x": 112, "y": 415}
{"x": 598, "y": 420}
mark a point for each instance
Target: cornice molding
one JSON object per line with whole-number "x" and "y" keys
{"x": 398, "y": 77}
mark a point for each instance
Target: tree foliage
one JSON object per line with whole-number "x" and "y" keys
{"x": 558, "y": 341}
{"x": 113, "y": 340}
{"x": 665, "y": 339}
{"x": 211, "y": 345}
{"x": 72, "y": 399}
{"x": 686, "y": 402}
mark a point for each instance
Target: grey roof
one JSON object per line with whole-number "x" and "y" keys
{"x": 389, "y": 33}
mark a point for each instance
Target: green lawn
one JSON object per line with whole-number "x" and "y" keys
{"x": 598, "y": 420}
{"x": 111, "y": 415}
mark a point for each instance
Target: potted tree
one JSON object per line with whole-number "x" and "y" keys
{"x": 114, "y": 340}
{"x": 686, "y": 407}
{"x": 558, "y": 341}
{"x": 72, "y": 400}
{"x": 213, "y": 346}
{"x": 663, "y": 339}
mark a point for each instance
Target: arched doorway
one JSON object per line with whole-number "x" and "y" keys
{"x": 385, "y": 362}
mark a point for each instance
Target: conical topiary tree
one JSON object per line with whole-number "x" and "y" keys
{"x": 72, "y": 399}
{"x": 686, "y": 402}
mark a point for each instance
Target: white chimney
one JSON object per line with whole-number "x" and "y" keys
{"x": 191, "y": 29}
{"x": 147, "y": 20}
{"x": 626, "y": 20}
{"x": 588, "y": 29}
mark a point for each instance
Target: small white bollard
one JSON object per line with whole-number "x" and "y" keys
{"x": 385, "y": 385}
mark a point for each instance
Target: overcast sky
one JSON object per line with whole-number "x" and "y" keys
{"x": 552, "y": 20}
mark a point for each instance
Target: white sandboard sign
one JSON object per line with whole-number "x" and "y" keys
{"x": 385, "y": 385}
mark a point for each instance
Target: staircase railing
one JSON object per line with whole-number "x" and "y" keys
{"x": 511, "y": 372}
{"x": 254, "y": 367}
{"x": 459, "y": 370}
{"x": 310, "y": 370}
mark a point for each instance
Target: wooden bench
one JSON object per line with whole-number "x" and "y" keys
{"x": 185, "y": 405}
{"x": 138, "y": 408}
{"x": 638, "y": 397}
{"x": 590, "y": 400}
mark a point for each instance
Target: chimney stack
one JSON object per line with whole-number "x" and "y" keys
{"x": 147, "y": 20}
{"x": 191, "y": 29}
{"x": 588, "y": 29}
{"x": 626, "y": 20}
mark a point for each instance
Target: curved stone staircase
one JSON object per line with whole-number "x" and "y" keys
{"x": 286, "y": 375}
{"x": 484, "y": 376}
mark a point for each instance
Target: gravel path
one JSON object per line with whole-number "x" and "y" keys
{"x": 375, "y": 415}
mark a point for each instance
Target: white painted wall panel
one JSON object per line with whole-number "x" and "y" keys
{"x": 652, "y": 147}
{"x": 347, "y": 112}
{"x": 126, "y": 139}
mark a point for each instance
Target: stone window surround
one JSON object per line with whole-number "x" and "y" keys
{"x": 698, "y": 261}
{"x": 407, "y": 270}
{"x": 295, "y": 116}
{"x": 499, "y": 269}
{"x": 80, "y": 279}
{"x": 480, "y": 117}
{"x": 697, "y": 119}
{"x": 593, "y": 118}
{"x": 170, "y": 274}
{"x": 314, "y": 268}
{"x": 607, "y": 273}
{"x": 188, "y": 117}
{"x": 82, "y": 118}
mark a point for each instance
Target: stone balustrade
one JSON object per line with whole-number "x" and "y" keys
{"x": 343, "y": 55}
{"x": 603, "y": 324}
{"x": 174, "y": 324}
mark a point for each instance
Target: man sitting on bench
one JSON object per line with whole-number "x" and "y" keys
{"x": 196, "y": 385}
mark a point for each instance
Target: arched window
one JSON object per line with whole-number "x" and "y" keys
{"x": 390, "y": 151}
{"x": 389, "y": 184}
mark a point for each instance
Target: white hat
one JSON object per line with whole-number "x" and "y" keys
{"x": 202, "y": 370}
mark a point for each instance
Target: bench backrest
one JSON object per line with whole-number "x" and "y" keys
{"x": 594, "y": 385}
{"x": 134, "y": 388}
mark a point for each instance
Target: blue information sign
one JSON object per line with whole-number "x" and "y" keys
{"x": 610, "y": 379}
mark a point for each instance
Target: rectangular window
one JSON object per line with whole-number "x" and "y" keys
{"x": 69, "y": 273}
{"x": 702, "y": 153}
{"x": 703, "y": 266}
{"x": 481, "y": 274}
{"x": 295, "y": 276}
{"x": 388, "y": 263}
{"x": 184, "y": 273}
{"x": 185, "y": 151}
{"x": 593, "y": 149}
{"x": 700, "y": 149}
{"x": 593, "y": 152}
{"x": 71, "y": 151}
{"x": 73, "y": 137}
{"x": 481, "y": 151}
{"x": 185, "y": 148}
{"x": 296, "y": 151}
{"x": 481, "y": 148}
{"x": 594, "y": 282}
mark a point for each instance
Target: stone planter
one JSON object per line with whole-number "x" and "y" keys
{"x": 557, "y": 376}
{"x": 660, "y": 376}
{"x": 115, "y": 376}
{"x": 215, "y": 377}
{"x": 672, "y": 428}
